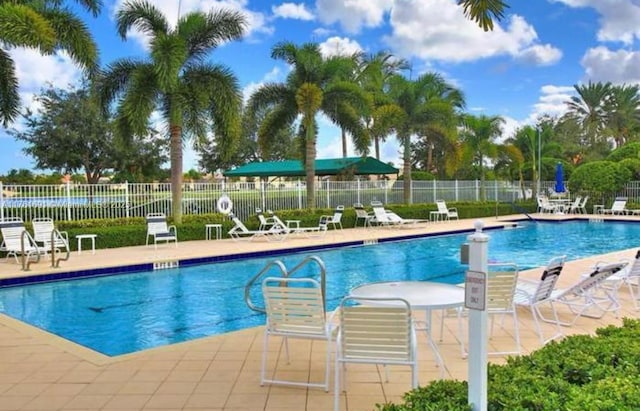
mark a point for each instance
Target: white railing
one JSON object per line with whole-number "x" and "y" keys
{"x": 86, "y": 201}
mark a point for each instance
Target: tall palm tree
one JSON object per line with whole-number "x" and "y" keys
{"x": 428, "y": 103}
{"x": 312, "y": 87}
{"x": 483, "y": 12}
{"x": 47, "y": 26}
{"x": 479, "y": 135}
{"x": 192, "y": 95}
{"x": 384, "y": 115}
{"x": 589, "y": 108}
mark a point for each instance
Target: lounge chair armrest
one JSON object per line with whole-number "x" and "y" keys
{"x": 173, "y": 229}
{"x": 453, "y": 209}
{"x": 65, "y": 235}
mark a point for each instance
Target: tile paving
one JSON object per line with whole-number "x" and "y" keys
{"x": 40, "y": 371}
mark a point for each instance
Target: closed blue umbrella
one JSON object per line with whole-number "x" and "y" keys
{"x": 559, "y": 188}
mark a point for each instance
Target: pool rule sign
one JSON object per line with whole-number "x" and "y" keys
{"x": 475, "y": 290}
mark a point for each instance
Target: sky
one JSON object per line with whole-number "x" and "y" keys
{"x": 526, "y": 67}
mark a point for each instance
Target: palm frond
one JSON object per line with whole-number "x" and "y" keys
{"x": 22, "y": 26}
{"x": 73, "y": 36}
{"x": 140, "y": 98}
{"x": 143, "y": 16}
{"x": 112, "y": 82}
{"x": 270, "y": 95}
{"x": 274, "y": 121}
{"x": 169, "y": 54}
{"x": 9, "y": 97}
{"x": 205, "y": 32}
{"x": 483, "y": 11}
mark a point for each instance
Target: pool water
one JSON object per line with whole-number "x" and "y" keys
{"x": 126, "y": 313}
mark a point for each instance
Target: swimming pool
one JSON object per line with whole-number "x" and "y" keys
{"x": 121, "y": 314}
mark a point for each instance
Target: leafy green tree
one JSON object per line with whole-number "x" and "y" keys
{"x": 193, "y": 96}
{"x": 312, "y": 87}
{"x": 45, "y": 25}
{"x": 599, "y": 177}
{"x": 69, "y": 133}
{"x": 141, "y": 159}
{"x": 21, "y": 176}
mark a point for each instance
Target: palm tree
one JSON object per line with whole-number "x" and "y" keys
{"x": 479, "y": 136}
{"x": 483, "y": 11}
{"x": 373, "y": 76}
{"x": 314, "y": 86}
{"x": 46, "y": 26}
{"x": 589, "y": 108}
{"x": 428, "y": 104}
{"x": 623, "y": 113}
{"x": 192, "y": 95}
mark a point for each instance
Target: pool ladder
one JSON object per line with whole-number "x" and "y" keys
{"x": 285, "y": 273}
{"x": 55, "y": 263}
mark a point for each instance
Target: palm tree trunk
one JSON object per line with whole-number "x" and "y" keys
{"x": 376, "y": 142}
{"x": 176, "y": 172}
{"x": 344, "y": 143}
{"x": 310, "y": 165}
{"x": 429, "y": 157}
{"x": 407, "y": 170}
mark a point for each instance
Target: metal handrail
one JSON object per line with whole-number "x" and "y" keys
{"x": 26, "y": 263}
{"x": 55, "y": 234}
{"x": 285, "y": 273}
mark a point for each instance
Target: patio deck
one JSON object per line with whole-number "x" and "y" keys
{"x": 39, "y": 371}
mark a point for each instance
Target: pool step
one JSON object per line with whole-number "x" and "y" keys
{"x": 165, "y": 265}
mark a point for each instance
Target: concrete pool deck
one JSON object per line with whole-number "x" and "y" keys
{"x": 39, "y": 371}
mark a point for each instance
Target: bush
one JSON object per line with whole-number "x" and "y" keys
{"x": 630, "y": 150}
{"x": 581, "y": 372}
{"x": 603, "y": 177}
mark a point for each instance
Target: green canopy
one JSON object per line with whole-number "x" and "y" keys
{"x": 324, "y": 167}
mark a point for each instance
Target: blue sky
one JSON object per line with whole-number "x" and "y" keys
{"x": 526, "y": 67}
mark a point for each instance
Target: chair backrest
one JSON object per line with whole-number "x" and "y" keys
{"x": 337, "y": 214}
{"x": 576, "y": 202}
{"x": 549, "y": 278}
{"x": 360, "y": 211}
{"x": 584, "y": 202}
{"x": 263, "y": 220}
{"x": 501, "y": 286}
{"x": 379, "y": 212}
{"x": 619, "y": 204}
{"x": 442, "y": 207}
{"x": 294, "y": 306}
{"x": 12, "y": 229}
{"x": 634, "y": 270}
{"x": 42, "y": 229}
{"x": 377, "y": 331}
{"x": 157, "y": 223}
{"x": 597, "y": 276}
{"x": 239, "y": 225}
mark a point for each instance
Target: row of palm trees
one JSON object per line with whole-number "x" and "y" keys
{"x": 366, "y": 97}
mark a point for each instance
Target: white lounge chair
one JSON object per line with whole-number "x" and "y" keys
{"x": 388, "y": 218}
{"x": 44, "y": 233}
{"x": 265, "y": 222}
{"x": 314, "y": 231}
{"x": 587, "y": 297}
{"x": 240, "y": 232}
{"x": 443, "y": 212}
{"x": 379, "y": 331}
{"x": 619, "y": 207}
{"x": 158, "y": 230}
{"x": 535, "y": 294}
{"x": 295, "y": 308}
{"x": 574, "y": 208}
{"x": 16, "y": 240}
{"x": 544, "y": 206}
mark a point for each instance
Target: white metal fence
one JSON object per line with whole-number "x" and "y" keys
{"x": 85, "y": 201}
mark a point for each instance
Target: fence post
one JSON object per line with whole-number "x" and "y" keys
{"x": 495, "y": 185}
{"x": 327, "y": 182}
{"x": 435, "y": 190}
{"x": 299, "y": 185}
{"x": 358, "y": 189}
{"x": 262, "y": 194}
{"x": 126, "y": 199}
{"x": 477, "y": 192}
{"x": 68, "y": 190}
{"x": 456, "y": 188}
{"x": 386, "y": 193}
{"x": 1, "y": 202}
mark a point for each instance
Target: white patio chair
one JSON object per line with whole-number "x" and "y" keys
{"x": 535, "y": 294}
{"x": 336, "y": 219}
{"x": 265, "y": 222}
{"x": 295, "y": 309}
{"x": 618, "y": 207}
{"x": 240, "y": 232}
{"x": 544, "y": 206}
{"x": 43, "y": 232}
{"x": 378, "y": 331}
{"x": 445, "y": 212}
{"x": 583, "y": 205}
{"x": 17, "y": 241}
{"x": 362, "y": 214}
{"x": 574, "y": 208}
{"x": 158, "y": 230}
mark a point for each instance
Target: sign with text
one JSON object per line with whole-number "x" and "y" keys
{"x": 475, "y": 290}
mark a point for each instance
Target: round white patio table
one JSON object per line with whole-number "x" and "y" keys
{"x": 421, "y": 295}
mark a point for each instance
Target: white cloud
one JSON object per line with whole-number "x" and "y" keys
{"x": 540, "y": 55}
{"x": 292, "y": 11}
{"x": 353, "y": 15}
{"x": 256, "y": 22}
{"x": 275, "y": 75}
{"x": 339, "y": 46}
{"x": 322, "y": 32}
{"x": 620, "y": 66}
{"x": 439, "y": 31}
{"x": 552, "y": 101}
{"x": 618, "y": 18}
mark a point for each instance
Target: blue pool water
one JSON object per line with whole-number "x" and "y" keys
{"x": 122, "y": 314}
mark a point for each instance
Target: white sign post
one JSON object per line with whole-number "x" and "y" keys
{"x": 475, "y": 299}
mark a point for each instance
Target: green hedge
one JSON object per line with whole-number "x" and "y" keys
{"x": 581, "y": 372}
{"x": 126, "y": 232}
